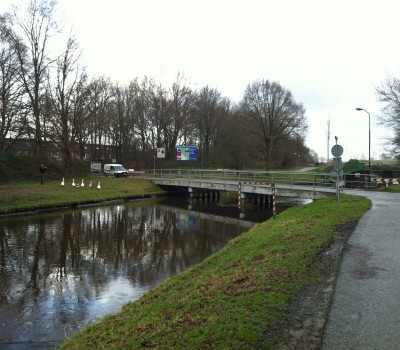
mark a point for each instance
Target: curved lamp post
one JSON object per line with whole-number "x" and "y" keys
{"x": 369, "y": 139}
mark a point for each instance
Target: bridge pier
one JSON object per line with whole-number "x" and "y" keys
{"x": 262, "y": 201}
{"x": 203, "y": 194}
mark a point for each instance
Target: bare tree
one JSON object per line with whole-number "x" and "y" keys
{"x": 29, "y": 35}
{"x": 12, "y": 113}
{"x": 65, "y": 124}
{"x": 156, "y": 99}
{"x": 389, "y": 94}
{"x": 80, "y": 112}
{"x": 275, "y": 112}
{"x": 207, "y": 118}
{"x": 235, "y": 140}
{"x": 122, "y": 126}
{"x": 141, "y": 113}
{"x": 98, "y": 95}
{"x": 179, "y": 115}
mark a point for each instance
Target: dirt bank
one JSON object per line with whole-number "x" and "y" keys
{"x": 307, "y": 317}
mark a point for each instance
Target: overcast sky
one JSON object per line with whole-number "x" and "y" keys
{"x": 330, "y": 54}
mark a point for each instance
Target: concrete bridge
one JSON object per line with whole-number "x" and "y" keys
{"x": 251, "y": 186}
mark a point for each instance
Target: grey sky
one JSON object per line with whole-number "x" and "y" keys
{"x": 329, "y": 54}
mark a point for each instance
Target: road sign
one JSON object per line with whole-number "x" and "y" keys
{"x": 160, "y": 152}
{"x": 337, "y": 150}
{"x": 337, "y": 163}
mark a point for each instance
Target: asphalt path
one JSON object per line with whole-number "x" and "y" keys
{"x": 365, "y": 311}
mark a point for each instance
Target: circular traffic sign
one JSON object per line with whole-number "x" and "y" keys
{"x": 337, "y": 150}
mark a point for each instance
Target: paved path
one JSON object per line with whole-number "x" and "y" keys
{"x": 365, "y": 313}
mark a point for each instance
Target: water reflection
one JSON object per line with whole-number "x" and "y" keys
{"x": 60, "y": 271}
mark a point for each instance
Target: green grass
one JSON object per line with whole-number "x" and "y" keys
{"x": 389, "y": 188}
{"x": 237, "y": 298}
{"x": 29, "y": 196}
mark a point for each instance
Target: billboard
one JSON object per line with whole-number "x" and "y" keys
{"x": 186, "y": 152}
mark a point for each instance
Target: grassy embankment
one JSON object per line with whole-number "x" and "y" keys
{"x": 30, "y": 196}
{"x": 389, "y": 188}
{"x": 239, "y": 297}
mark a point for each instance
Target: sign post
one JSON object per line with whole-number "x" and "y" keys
{"x": 337, "y": 151}
{"x": 161, "y": 155}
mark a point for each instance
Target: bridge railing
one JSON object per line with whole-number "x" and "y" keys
{"x": 293, "y": 178}
{"x": 259, "y": 177}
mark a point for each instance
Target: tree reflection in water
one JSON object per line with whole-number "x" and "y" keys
{"x": 60, "y": 271}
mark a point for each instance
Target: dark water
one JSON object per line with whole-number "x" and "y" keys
{"x": 61, "y": 271}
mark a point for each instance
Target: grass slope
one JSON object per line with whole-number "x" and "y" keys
{"x": 26, "y": 168}
{"x": 30, "y": 196}
{"x": 239, "y": 297}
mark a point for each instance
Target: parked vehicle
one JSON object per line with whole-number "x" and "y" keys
{"x": 116, "y": 170}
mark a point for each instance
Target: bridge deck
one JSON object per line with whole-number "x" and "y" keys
{"x": 300, "y": 191}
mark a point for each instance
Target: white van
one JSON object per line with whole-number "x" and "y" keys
{"x": 114, "y": 170}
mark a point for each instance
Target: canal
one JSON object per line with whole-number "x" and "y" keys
{"x": 62, "y": 270}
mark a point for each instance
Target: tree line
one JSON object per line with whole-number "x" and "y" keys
{"x": 49, "y": 97}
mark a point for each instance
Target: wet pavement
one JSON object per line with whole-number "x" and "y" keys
{"x": 365, "y": 312}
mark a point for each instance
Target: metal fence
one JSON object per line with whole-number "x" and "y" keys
{"x": 235, "y": 175}
{"x": 315, "y": 179}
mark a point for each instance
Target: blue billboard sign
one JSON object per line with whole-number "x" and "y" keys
{"x": 186, "y": 152}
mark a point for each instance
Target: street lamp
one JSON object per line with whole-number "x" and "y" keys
{"x": 369, "y": 139}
